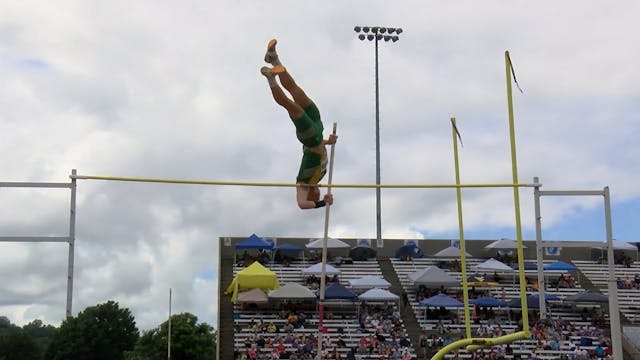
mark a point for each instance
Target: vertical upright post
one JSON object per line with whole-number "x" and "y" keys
{"x": 614, "y": 311}
{"x": 72, "y": 243}
{"x": 463, "y": 248}
{"x": 378, "y": 205}
{"x": 169, "y": 329}
{"x": 323, "y": 275}
{"x": 539, "y": 251}
{"x": 516, "y": 199}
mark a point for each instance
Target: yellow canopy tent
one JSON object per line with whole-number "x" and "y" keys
{"x": 253, "y": 276}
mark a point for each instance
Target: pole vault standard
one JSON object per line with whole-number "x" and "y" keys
{"x": 70, "y": 238}
{"x": 614, "y": 310}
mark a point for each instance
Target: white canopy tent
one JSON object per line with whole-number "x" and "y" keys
{"x": 378, "y": 295}
{"x": 450, "y": 252}
{"x": 292, "y": 292}
{"x": 369, "y": 282}
{"x": 504, "y": 244}
{"x": 493, "y": 265}
{"x": 316, "y": 269}
{"x": 331, "y": 244}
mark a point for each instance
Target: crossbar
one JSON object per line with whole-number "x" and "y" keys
{"x": 35, "y": 239}
{"x": 35, "y": 185}
{"x": 280, "y": 184}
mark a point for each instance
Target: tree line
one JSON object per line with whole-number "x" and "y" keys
{"x": 107, "y": 332}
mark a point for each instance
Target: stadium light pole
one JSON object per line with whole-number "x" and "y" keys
{"x": 375, "y": 34}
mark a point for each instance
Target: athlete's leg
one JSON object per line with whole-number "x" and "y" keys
{"x": 299, "y": 96}
{"x": 295, "y": 110}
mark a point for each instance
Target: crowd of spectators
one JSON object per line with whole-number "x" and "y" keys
{"x": 628, "y": 282}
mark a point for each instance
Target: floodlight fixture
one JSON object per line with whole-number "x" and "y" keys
{"x": 362, "y": 37}
{"x": 357, "y": 29}
{"x": 395, "y": 38}
{"x": 398, "y": 31}
{"x": 383, "y": 30}
{"x": 370, "y": 37}
{"x": 365, "y": 29}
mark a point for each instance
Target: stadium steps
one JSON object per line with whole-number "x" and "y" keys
{"x": 411, "y": 325}
{"x": 226, "y": 311}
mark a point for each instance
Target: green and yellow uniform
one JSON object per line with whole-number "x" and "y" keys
{"x": 309, "y": 129}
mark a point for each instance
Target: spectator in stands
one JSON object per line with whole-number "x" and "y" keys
{"x": 272, "y": 328}
{"x": 628, "y": 283}
{"x": 252, "y": 353}
{"x": 636, "y": 279}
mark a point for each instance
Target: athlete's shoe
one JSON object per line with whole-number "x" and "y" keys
{"x": 271, "y": 56}
{"x": 267, "y": 71}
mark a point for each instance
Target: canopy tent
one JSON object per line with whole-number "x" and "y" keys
{"x": 480, "y": 280}
{"x": 410, "y": 249}
{"x": 588, "y": 296}
{"x": 620, "y": 245}
{"x": 441, "y": 300}
{"x": 253, "y": 276}
{"x": 504, "y": 244}
{"x": 378, "y": 295}
{"x": 432, "y": 276}
{"x": 533, "y": 300}
{"x": 369, "y": 282}
{"x": 450, "y": 252}
{"x": 547, "y": 296}
{"x": 253, "y": 296}
{"x": 254, "y": 242}
{"x": 292, "y": 292}
{"x": 487, "y": 301}
{"x": 560, "y": 266}
{"x": 316, "y": 269}
{"x": 331, "y": 244}
{"x": 361, "y": 253}
{"x": 337, "y": 291}
{"x": 288, "y": 247}
{"x": 493, "y": 265}
{"x": 528, "y": 265}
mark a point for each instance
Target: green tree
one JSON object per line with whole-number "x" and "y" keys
{"x": 6, "y": 325}
{"x": 189, "y": 340}
{"x": 101, "y": 332}
{"x": 18, "y": 345}
{"x": 40, "y": 333}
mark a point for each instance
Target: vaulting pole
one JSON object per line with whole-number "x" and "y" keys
{"x": 323, "y": 281}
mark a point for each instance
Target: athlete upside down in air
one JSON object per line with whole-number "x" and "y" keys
{"x": 306, "y": 118}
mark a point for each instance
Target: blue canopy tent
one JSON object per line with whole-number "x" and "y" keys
{"x": 440, "y": 300}
{"x": 289, "y": 250}
{"x": 528, "y": 265}
{"x": 288, "y": 247}
{"x": 254, "y": 242}
{"x": 410, "y": 249}
{"x": 337, "y": 291}
{"x": 532, "y": 300}
{"x": 487, "y": 301}
{"x": 560, "y": 266}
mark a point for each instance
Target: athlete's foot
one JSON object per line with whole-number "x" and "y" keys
{"x": 271, "y": 56}
{"x": 267, "y": 72}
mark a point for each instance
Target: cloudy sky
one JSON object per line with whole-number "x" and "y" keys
{"x": 173, "y": 90}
